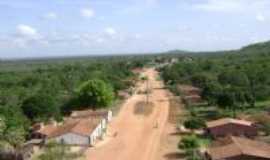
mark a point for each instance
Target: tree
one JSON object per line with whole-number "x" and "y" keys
{"x": 95, "y": 93}
{"x": 191, "y": 145}
{"x": 211, "y": 92}
{"x": 13, "y": 127}
{"x": 40, "y": 107}
{"x": 194, "y": 123}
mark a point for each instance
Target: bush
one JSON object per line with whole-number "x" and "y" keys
{"x": 194, "y": 123}
{"x": 190, "y": 144}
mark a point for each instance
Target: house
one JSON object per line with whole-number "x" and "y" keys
{"x": 106, "y": 114}
{"x": 237, "y": 148}
{"x": 41, "y": 131}
{"x": 82, "y": 128}
{"x": 188, "y": 90}
{"x": 195, "y": 99}
{"x": 80, "y": 132}
{"x": 124, "y": 94}
{"x": 228, "y": 126}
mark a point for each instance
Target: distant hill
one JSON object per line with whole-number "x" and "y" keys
{"x": 257, "y": 48}
{"x": 262, "y": 48}
{"x": 177, "y": 52}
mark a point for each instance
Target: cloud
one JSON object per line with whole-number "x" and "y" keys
{"x": 110, "y": 31}
{"x": 50, "y": 16}
{"x": 138, "y": 36}
{"x": 220, "y": 5}
{"x": 138, "y": 7}
{"x": 251, "y": 6}
{"x": 260, "y": 17}
{"x": 100, "y": 40}
{"x": 27, "y": 36}
{"x": 27, "y": 31}
{"x": 87, "y": 13}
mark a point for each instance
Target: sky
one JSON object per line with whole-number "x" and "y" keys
{"x": 41, "y": 28}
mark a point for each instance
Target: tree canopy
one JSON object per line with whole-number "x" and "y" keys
{"x": 95, "y": 93}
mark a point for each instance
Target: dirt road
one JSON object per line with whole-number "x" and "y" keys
{"x": 136, "y": 137}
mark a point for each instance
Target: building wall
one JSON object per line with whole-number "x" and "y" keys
{"x": 73, "y": 139}
{"x": 90, "y": 140}
{"x": 96, "y": 134}
{"x": 233, "y": 129}
{"x": 110, "y": 115}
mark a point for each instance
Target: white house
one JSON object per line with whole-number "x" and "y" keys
{"x": 83, "y": 128}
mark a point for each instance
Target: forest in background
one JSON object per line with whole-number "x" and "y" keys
{"x": 41, "y": 90}
{"x": 233, "y": 84}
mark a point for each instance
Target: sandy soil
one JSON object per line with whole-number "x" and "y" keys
{"x": 168, "y": 149}
{"x": 138, "y": 137}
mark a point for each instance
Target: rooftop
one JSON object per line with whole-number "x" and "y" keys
{"x": 89, "y": 113}
{"x": 224, "y": 121}
{"x": 240, "y": 146}
{"x": 78, "y": 126}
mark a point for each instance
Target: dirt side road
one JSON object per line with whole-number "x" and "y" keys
{"x": 138, "y": 136}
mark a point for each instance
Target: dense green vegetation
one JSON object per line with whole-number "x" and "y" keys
{"x": 41, "y": 90}
{"x": 95, "y": 93}
{"x": 232, "y": 80}
{"x": 190, "y": 144}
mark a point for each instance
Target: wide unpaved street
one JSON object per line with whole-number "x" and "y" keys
{"x": 135, "y": 136}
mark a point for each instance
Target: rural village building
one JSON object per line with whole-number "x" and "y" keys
{"x": 191, "y": 95}
{"x": 106, "y": 114}
{"x": 228, "y": 126}
{"x": 188, "y": 90}
{"x": 193, "y": 99}
{"x": 82, "y": 128}
{"x": 237, "y": 148}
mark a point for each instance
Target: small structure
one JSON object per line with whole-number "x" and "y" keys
{"x": 80, "y": 132}
{"x": 124, "y": 94}
{"x": 188, "y": 90}
{"x": 106, "y": 114}
{"x": 191, "y": 95}
{"x": 228, "y": 126}
{"x": 42, "y": 131}
{"x": 82, "y": 128}
{"x": 195, "y": 99}
{"x": 237, "y": 148}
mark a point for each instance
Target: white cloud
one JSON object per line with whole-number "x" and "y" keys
{"x": 260, "y": 17}
{"x": 100, "y": 40}
{"x": 138, "y": 36}
{"x": 251, "y": 6}
{"x": 220, "y": 5}
{"x": 152, "y": 2}
{"x": 27, "y": 31}
{"x": 50, "y": 16}
{"x": 87, "y": 13}
{"x": 138, "y": 7}
{"x": 110, "y": 31}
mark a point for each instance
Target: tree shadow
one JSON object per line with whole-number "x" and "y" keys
{"x": 175, "y": 155}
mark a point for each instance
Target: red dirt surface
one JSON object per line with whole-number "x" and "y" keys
{"x": 133, "y": 136}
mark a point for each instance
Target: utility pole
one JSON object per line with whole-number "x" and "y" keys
{"x": 147, "y": 91}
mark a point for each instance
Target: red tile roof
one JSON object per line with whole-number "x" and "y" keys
{"x": 90, "y": 113}
{"x": 224, "y": 121}
{"x": 78, "y": 126}
{"x": 240, "y": 146}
